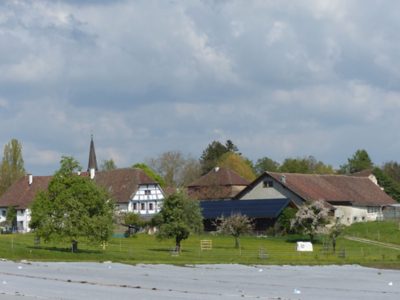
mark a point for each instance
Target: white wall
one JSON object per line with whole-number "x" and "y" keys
{"x": 147, "y": 200}
{"x": 3, "y": 214}
{"x": 353, "y": 214}
{"x": 23, "y": 219}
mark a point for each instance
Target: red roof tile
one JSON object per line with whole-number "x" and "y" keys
{"x": 120, "y": 183}
{"x": 221, "y": 177}
{"x": 219, "y": 183}
{"x": 21, "y": 194}
{"x": 335, "y": 188}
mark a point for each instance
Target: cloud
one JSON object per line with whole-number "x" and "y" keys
{"x": 278, "y": 78}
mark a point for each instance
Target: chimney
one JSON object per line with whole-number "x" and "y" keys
{"x": 283, "y": 179}
{"x": 30, "y": 179}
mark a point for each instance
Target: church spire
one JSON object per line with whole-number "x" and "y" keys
{"x": 92, "y": 165}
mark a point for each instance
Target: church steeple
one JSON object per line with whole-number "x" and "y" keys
{"x": 92, "y": 165}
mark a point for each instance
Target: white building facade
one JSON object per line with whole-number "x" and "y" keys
{"x": 147, "y": 200}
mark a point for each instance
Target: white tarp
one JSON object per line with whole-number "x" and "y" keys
{"x": 304, "y": 246}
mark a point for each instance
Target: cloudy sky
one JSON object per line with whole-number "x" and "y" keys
{"x": 279, "y": 78}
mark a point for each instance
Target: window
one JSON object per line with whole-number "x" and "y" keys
{"x": 151, "y": 206}
{"x": 3, "y": 213}
{"x": 354, "y": 219}
{"x": 134, "y": 206}
{"x": 372, "y": 209}
{"x": 142, "y": 206}
{"x": 268, "y": 183}
{"x": 147, "y": 192}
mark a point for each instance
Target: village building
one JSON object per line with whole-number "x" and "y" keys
{"x": 131, "y": 189}
{"x": 217, "y": 191}
{"x": 217, "y": 184}
{"x": 354, "y": 198}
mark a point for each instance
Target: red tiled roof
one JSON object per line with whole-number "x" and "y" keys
{"x": 21, "y": 194}
{"x": 120, "y": 183}
{"x": 334, "y": 188}
{"x": 220, "y": 177}
{"x": 363, "y": 173}
{"x": 219, "y": 183}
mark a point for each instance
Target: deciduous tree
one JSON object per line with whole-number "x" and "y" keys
{"x": 306, "y": 165}
{"x": 11, "y": 218}
{"x": 179, "y": 216}
{"x": 108, "y": 165}
{"x": 72, "y": 208}
{"x": 175, "y": 168}
{"x": 235, "y": 225}
{"x": 168, "y": 164}
{"x": 266, "y": 164}
{"x": 334, "y": 232}
{"x": 284, "y": 220}
{"x": 237, "y": 163}
{"x": 12, "y": 165}
{"x": 151, "y": 173}
{"x": 311, "y": 218}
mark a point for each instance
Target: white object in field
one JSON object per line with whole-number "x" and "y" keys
{"x": 304, "y": 246}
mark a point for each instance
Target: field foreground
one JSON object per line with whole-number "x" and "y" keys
{"x": 50, "y": 280}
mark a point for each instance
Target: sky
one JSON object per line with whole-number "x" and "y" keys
{"x": 279, "y": 78}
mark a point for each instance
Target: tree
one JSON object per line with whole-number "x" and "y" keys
{"x": 311, "y": 218}
{"x": 168, "y": 164}
{"x": 175, "y": 168}
{"x": 235, "y": 225}
{"x": 334, "y": 232}
{"x": 306, "y": 165}
{"x": 179, "y": 216}
{"x": 294, "y": 165}
{"x": 191, "y": 170}
{"x": 285, "y": 219}
{"x": 151, "y": 173}
{"x": 11, "y": 217}
{"x": 358, "y": 162}
{"x": 392, "y": 169}
{"x": 266, "y": 164}
{"x": 12, "y": 165}
{"x": 133, "y": 221}
{"x": 108, "y": 165}
{"x": 390, "y": 186}
{"x": 211, "y": 155}
{"x": 72, "y": 208}
{"x": 237, "y": 163}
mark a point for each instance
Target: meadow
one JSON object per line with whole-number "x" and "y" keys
{"x": 144, "y": 248}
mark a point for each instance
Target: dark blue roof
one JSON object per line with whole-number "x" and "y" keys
{"x": 265, "y": 208}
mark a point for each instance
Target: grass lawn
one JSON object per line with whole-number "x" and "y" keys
{"x": 147, "y": 249}
{"x": 387, "y": 232}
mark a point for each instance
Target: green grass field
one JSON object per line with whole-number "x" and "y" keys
{"x": 254, "y": 250}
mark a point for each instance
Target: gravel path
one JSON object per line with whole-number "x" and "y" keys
{"x": 36, "y": 280}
